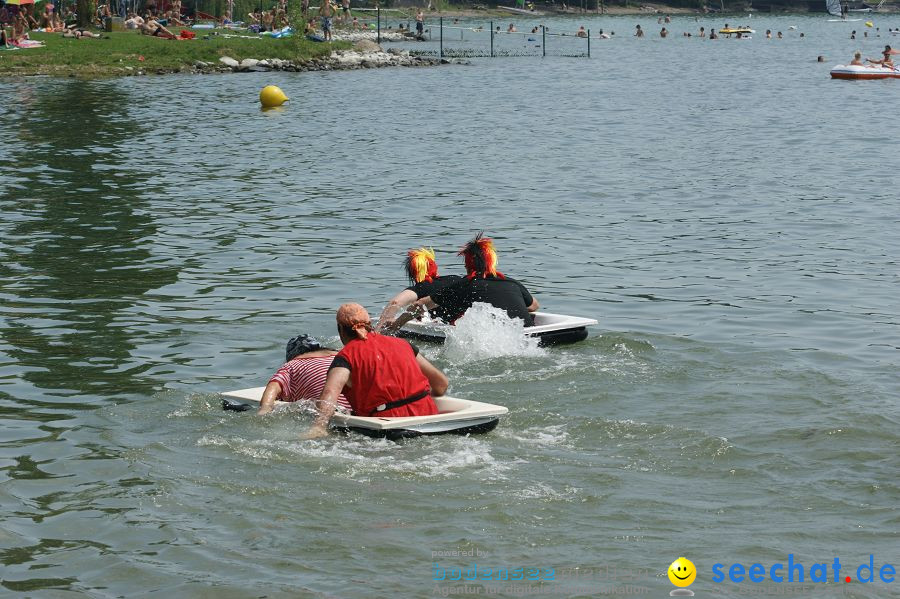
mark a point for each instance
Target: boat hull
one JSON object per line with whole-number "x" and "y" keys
{"x": 456, "y": 416}
{"x": 855, "y": 72}
{"x": 550, "y": 329}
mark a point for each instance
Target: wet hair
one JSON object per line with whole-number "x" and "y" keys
{"x": 301, "y": 344}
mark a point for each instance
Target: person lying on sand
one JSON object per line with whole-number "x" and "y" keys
{"x": 133, "y": 21}
{"x": 153, "y": 28}
{"x": 78, "y": 33}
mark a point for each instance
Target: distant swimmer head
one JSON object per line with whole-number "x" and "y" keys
{"x": 353, "y": 322}
{"x": 301, "y": 344}
{"x": 480, "y": 257}
{"x": 420, "y": 265}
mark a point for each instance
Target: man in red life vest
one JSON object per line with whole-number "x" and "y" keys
{"x": 379, "y": 375}
{"x": 422, "y": 270}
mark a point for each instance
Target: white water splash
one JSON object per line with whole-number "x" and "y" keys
{"x": 487, "y": 332}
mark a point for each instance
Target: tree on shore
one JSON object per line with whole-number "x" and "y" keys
{"x": 86, "y": 10}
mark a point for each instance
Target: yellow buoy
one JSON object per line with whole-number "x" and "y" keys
{"x": 271, "y": 96}
{"x": 870, "y": 24}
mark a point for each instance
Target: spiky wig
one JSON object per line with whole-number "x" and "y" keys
{"x": 420, "y": 265}
{"x": 480, "y": 257}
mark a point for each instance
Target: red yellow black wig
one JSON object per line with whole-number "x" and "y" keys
{"x": 420, "y": 265}
{"x": 480, "y": 257}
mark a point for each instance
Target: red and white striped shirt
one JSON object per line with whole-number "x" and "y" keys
{"x": 304, "y": 378}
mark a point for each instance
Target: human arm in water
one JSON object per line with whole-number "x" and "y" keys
{"x": 270, "y": 395}
{"x": 437, "y": 380}
{"x": 337, "y": 379}
{"x": 397, "y": 303}
{"x": 415, "y": 310}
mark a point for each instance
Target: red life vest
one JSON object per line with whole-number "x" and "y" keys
{"x": 384, "y": 370}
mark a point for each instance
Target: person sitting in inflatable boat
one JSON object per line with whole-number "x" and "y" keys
{"x": 380, "y": 375}
{"x": 422, "y": 270}
{"x": 483, "y": 283}
{"x": 302, "y": 376}
{"x": 886, "y": 61}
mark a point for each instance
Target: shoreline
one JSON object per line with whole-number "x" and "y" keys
{"x": 128, "y": 54}
{"x": 125, "y": 54}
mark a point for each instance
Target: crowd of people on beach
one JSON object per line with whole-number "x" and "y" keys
{"x": 376, "y": 373}
{"x": 16, "y": 21}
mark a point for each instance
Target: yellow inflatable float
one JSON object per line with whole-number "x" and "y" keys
{"x": 271, "y": 96}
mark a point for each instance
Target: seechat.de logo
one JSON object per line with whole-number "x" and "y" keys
{"x": 682, "y": 573}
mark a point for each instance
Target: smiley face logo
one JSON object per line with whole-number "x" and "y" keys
{"x": 682, "y": 572}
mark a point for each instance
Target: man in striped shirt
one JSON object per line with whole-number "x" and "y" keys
{"x": 302, "y": 376}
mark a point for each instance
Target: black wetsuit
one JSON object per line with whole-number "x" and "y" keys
{"x": 425, "y": 289}
{"x": 506, "y": 294}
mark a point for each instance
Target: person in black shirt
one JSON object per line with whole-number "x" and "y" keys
{"x": 483, "y": 283}
{"x": 422, "y": 270}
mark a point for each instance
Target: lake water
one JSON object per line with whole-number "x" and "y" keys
{"x": 726, "y": 211}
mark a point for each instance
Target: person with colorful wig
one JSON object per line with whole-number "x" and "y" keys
{"x": 380, "y": 375}
{"x": 302, "y": 376}
{"x": 483, "y": 283}
{"x": 422, "y": 270}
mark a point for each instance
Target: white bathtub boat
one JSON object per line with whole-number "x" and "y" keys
{"x": 551, "y": 329}
{"x": 456, "y": 416}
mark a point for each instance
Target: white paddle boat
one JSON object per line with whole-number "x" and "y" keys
{"x": 851, "y": 71}
{"x": 455, "y": 416}
{"x": 551, "y": 329}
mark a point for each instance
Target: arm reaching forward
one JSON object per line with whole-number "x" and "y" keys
{"x": 436, "y": 379}
{"x": 334, "y": 384}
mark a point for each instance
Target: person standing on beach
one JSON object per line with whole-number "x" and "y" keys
{"x": 420, "y": 23}
{"x": 345, "y": 11}
{"x": 326, "y": 14}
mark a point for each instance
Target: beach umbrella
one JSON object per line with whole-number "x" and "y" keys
{"x": 19, "y": 2}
